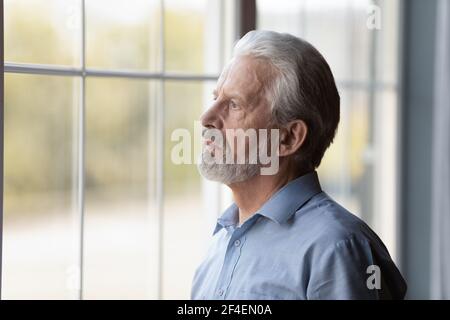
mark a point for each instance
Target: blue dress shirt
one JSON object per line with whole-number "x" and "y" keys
{"x": 300, "y": 244}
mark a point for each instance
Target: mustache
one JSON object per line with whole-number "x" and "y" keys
{"x": 211, "y": 133}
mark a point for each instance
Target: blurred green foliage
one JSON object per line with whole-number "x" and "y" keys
{"x": 42, "y": 112}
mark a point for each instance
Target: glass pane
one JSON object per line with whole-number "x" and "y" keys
{"x": 328, "y": 29}
{"x": 345, "y": 167}
{"x": 359, "y": 54}
{"x": 185, "y": 226}
{"x": 43, "y": 31}
{"x": 40, "y": 218}
{"x": 282, "y": 16}
{"x": 385, "y": 171}
{"x": 336, "y": 28}
{"x": 388, "y": 43}
{"x": 123, "y": 34}
{"x": 121, "y": 240}
{"x": 185, "y": 35}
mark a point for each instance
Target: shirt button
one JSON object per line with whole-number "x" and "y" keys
{"x": 220, "y": 292}
{"x": 237, "y": 243}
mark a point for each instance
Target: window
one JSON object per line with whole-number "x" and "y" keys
{"x": 360, "y": 168}
{"x": 93, "y": 206}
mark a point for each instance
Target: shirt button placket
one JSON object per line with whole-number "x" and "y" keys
{"x": 231, "y": 259}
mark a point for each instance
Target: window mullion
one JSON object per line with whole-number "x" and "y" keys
{"x": 81, "y": 149}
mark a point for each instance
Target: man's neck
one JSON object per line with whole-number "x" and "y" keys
{"x": 250, "y": 195}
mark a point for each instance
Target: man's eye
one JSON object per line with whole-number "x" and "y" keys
{"x": 233, "y": 105}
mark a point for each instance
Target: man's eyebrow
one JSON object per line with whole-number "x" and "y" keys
{"x": 230, "y": 95}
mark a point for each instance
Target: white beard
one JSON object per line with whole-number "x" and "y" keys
{"x": 226, "y": 173}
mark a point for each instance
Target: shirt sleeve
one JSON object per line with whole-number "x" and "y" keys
{"x": 341, "y": 272}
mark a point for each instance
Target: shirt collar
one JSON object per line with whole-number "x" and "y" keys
{"x": 229, "y": 218}
{"x": 282, "y": 205}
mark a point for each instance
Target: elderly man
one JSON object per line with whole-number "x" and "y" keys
{"x": 284, "y": 238}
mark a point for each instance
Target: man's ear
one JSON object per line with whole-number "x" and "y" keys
{"x": 292, "y": 137}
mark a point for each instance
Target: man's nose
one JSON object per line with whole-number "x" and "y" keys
{"x": 210, "y": 118}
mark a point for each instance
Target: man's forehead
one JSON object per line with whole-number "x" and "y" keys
{"x": 246, "y": 74}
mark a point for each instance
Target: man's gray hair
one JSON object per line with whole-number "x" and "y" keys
{"x": 303, "y": 88}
